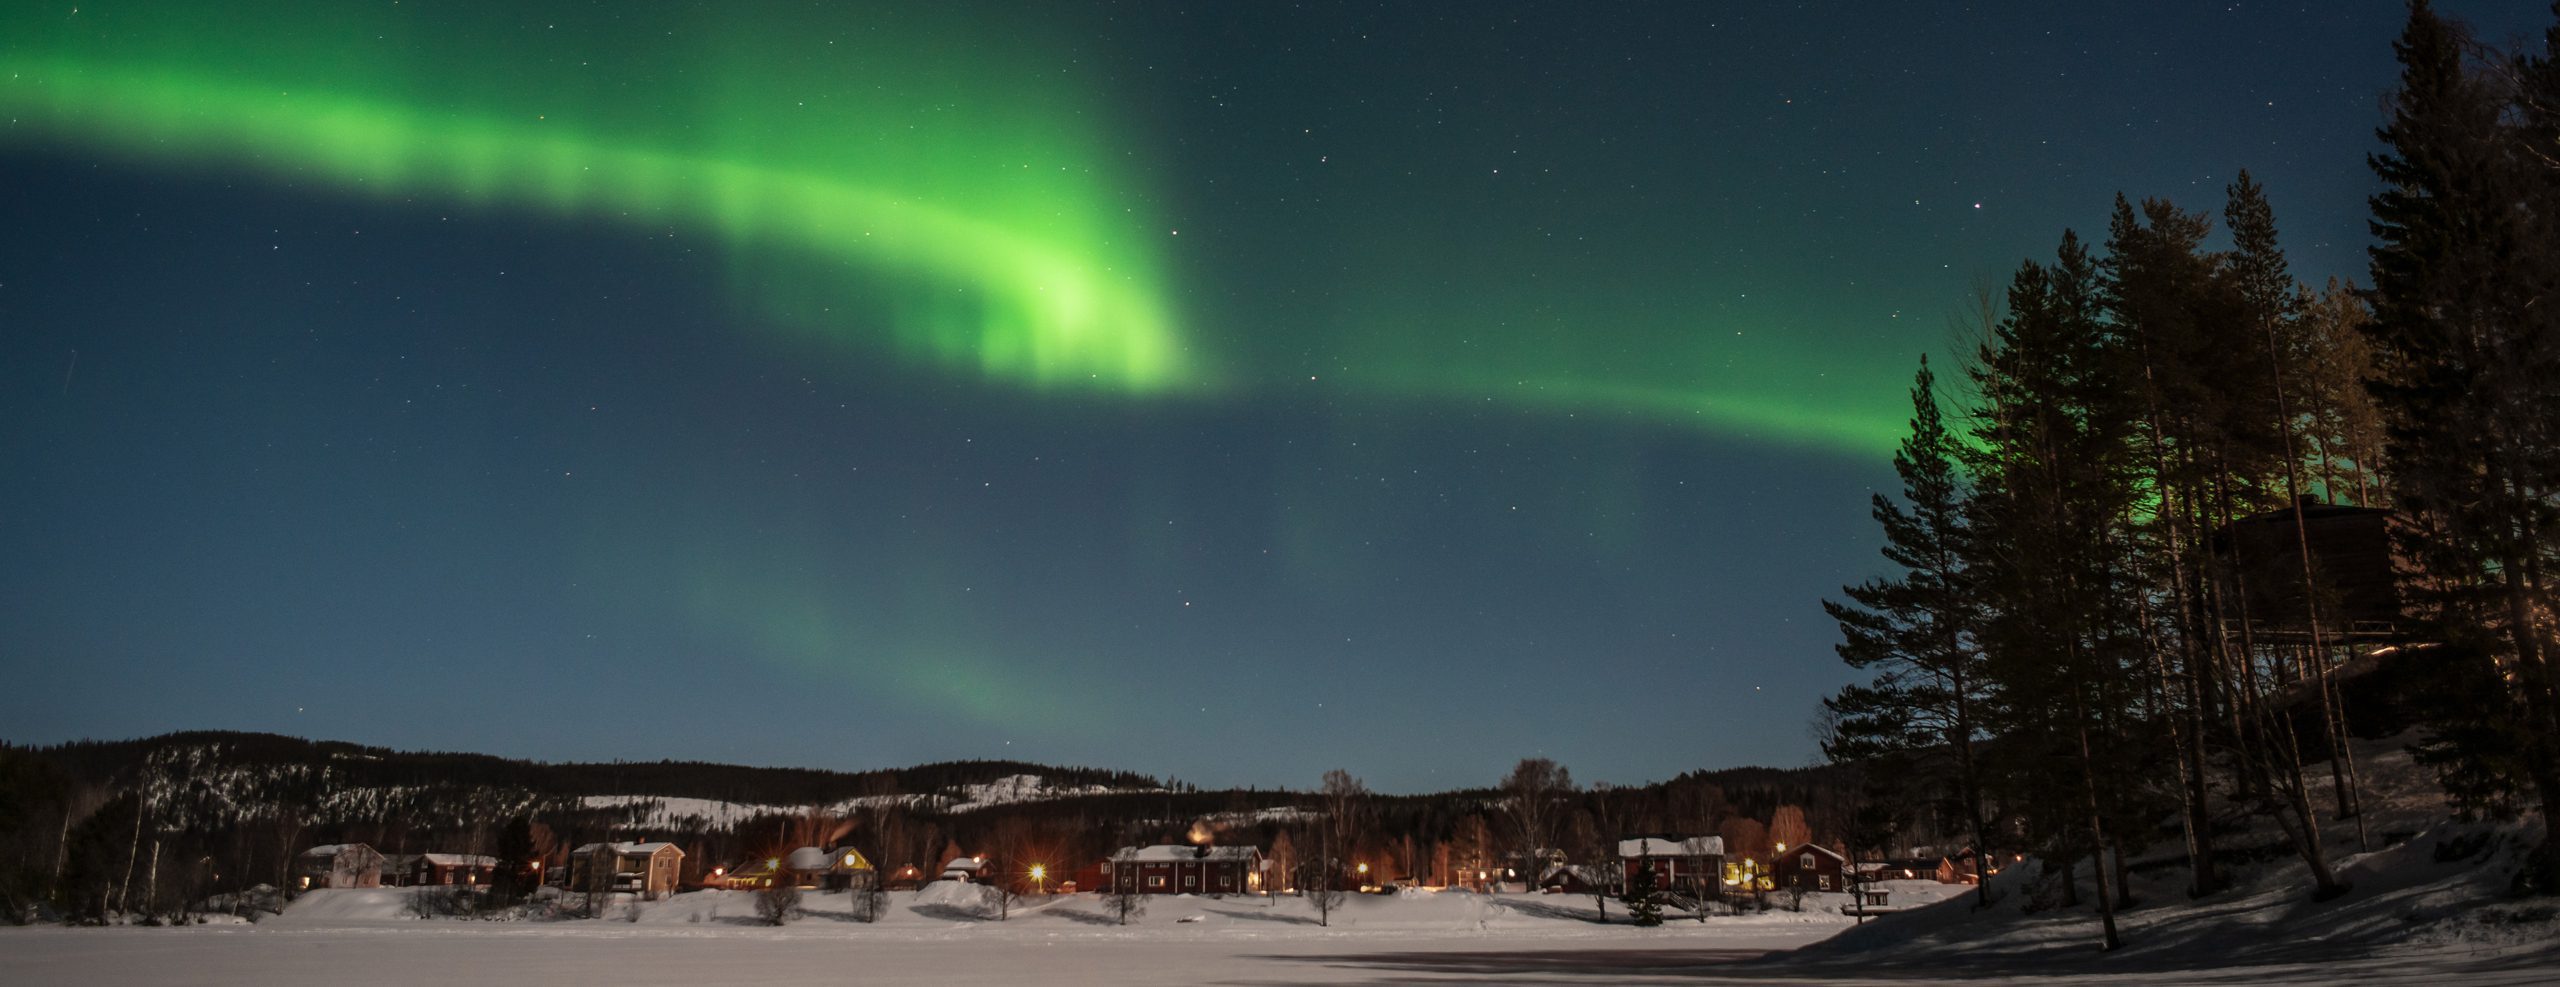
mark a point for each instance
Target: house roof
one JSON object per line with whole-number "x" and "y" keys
{"x": 848, "y": 858}
{"x": 963, "y": 864}
{"x": 628, "y": 849}
{"x": 1817, "y": 847}
{"x": 334, "y": 849}
{"x": 808, "y": 858}
{"x": 1654, "y": 846}
{"x": 1173, "y": 852}
{"x": 459, "y": 859}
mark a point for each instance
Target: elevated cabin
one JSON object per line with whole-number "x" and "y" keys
{"x": 337, "y": 865}
{"x": 1177, "y": 869}
{"x": 1812, "y": 867}
{"x": 1691, "y": 865}
{"x": 452, "y": 868}
{"x": 2352, "y": 566}
{"x": 649, "y": 869}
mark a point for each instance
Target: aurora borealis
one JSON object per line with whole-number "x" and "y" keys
{"x": 1229, "y": 392}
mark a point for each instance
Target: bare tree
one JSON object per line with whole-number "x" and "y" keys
{"x": 1319, "y": 881}
{"x": 1124, "y": 900}
{"x": 1532, "y": 792}
{"x": 1787, "y": 828}
{"x": 779, "y": 901}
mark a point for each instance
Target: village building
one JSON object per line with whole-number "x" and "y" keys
{"x": 451, "y": 868}
{"x": 907, "y": 877}
{"x": 1812, "y": 867}
{"x": 849, "y": 870}
{"x": 967, "y": 870}
{"x": 1959, "y": 869}
{"x": 1688, "y": 866}
{"x": 1571, "y": 879}
{"x": 807, "y": 867}
{"x": 398, "y": 869}
{"x": 337, "y": 865}
{"x": 1177, "y": 869}
{"x": 647, "y": 868}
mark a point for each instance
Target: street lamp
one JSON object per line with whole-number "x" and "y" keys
{"x": 1040, "y": 877}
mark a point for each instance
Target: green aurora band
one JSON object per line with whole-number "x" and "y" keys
{"x": 995, "y": 237}
{"x": 915, "y": 186}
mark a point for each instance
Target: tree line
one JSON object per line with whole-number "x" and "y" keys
{"x": 2077, "y": 641}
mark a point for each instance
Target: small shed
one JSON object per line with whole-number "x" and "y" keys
{"x": 337, "y": 865}
{"x": 1570, "y": 879}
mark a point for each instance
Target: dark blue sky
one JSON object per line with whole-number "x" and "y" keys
{"x": 1541, "y": 359}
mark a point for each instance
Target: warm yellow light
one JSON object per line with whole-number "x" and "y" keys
{"x": 1782, "y": 848}
{"x": 1039, "y": 872}
{"x": 1364, "y": 868}
{"x": 773, "y": 862}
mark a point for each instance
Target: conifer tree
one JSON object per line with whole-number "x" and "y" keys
{"x": 1642, "y": 897}
{"x": 2052, "y": 489}
{"x": 2467, "y": 344}
{"x": 1915, "y": 632}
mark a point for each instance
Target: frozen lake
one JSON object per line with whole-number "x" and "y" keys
{"x": 597, "y": 953}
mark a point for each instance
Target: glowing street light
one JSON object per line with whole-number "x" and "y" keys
{"x": 1040, "y": 877}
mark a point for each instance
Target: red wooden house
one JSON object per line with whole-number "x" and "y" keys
{"x": 1691, "y": 865}
{"x": 1813, "y": 867}
{"x": 452, "y": 868}
{"x": 1173, "y": 869}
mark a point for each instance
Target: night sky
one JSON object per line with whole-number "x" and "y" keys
{"x": 1223, "y": 391}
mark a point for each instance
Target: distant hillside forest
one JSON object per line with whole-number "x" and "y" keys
{"x": 159, "y": 825}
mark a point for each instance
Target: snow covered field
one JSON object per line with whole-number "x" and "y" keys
{"x": 945, "y": 935}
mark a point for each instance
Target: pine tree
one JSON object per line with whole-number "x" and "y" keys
{"x": 1915, "y": 633}
{"x": 1642, "y": 897}
{"x": 518, "y": 867}
{"x": 2053, "y": 489}
{"x": 2467, "y": 343}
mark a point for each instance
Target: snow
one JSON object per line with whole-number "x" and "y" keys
{"x": 1175, "y": 853}
{"x": 808, "y": 858}
{"x": 947, "y": 934}
{"x": 1696, "y": 846}
{"x": 2427, "y": 907}
{"x": 672, "y": 813}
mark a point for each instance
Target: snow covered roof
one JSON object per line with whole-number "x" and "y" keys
{"x": 963, "y": 864}
{"x": 459, "y": 859}
{"x": 808, "y": 858}
{"x": 626, "y": 849}
{"x": 1170, "y": 852}
{"x": 1650, "y": 846}
{"x": 334, "y": 849}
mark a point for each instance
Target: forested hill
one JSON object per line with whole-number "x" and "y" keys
{"x": 117, "y": 763}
